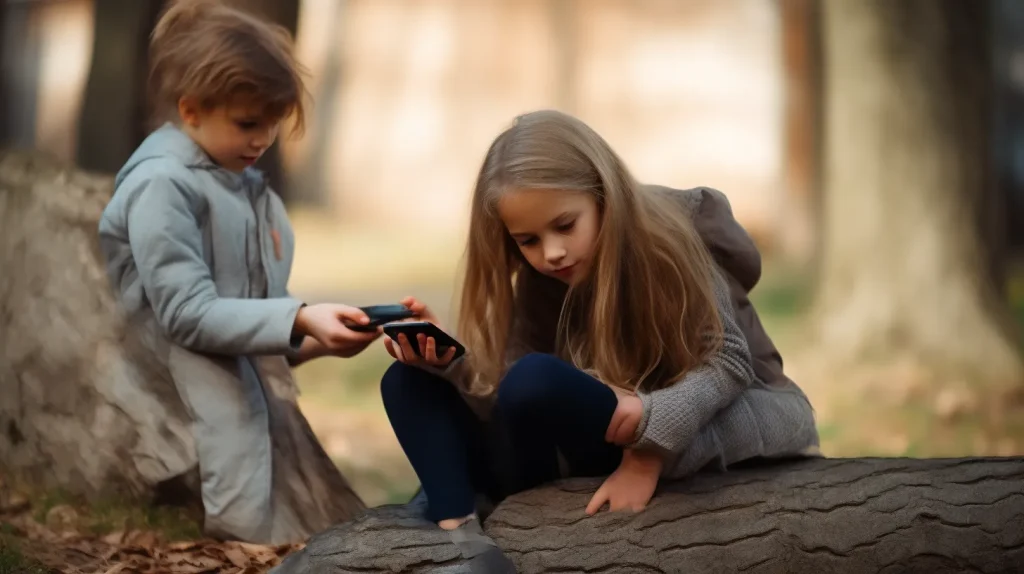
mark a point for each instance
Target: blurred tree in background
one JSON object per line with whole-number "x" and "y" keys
{"x": 114, "y": 117}
{"x": 914, "y": 234}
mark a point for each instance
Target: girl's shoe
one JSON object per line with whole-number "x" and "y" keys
{"x": 481, "y": 550}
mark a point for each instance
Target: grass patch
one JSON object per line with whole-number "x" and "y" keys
{"x": 12, "y": 561}
{"x": 112, "y": 514}
{"x": 172, "y": 523}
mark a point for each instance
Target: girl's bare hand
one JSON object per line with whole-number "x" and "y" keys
{"x": 403, "y": 350}
{"x": 631, "y": 486}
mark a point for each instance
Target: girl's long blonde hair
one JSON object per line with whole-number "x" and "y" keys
{"x": 644, "y": 316}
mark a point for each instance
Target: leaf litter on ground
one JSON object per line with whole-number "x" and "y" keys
{"x": 59, "y": 543}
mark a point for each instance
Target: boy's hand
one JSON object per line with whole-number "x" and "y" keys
{"x": 631, "y": 486}
{"x": 324, "y": 322}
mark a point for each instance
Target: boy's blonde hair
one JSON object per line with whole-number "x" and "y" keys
{"x": 216, "y": 54}
{"x": 646, "y": 314}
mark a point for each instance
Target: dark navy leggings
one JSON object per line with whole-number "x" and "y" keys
{"x": 543, "y": 403}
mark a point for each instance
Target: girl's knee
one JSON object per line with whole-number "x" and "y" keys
{"x": 530, "y": 381}
{"x": 399, "y": 380}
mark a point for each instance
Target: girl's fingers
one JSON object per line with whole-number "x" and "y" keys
{"x": 390, "y": 346}
{"x": 432, "y": 357}
{"x": 449, "y": 355}
{"x": 407, "y": 352}
{"x": 598, "y": 500}
{"x": 395, "y": 350}
{"x": 431, "y": 351}
{"x": 413, "y": 304}
{"x": 421, "y": 343}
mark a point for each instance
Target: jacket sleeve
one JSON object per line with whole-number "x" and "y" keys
{"x": 166, "y": 242}
{"x": 672, "y": 416}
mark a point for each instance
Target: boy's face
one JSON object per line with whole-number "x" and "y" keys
{"x": 234, "y": 135}
{"x": 556, "y": 231}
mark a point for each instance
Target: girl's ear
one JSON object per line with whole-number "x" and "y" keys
{"x": 188, "y": 111}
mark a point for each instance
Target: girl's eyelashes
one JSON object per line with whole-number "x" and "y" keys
{"x": 245, "y": 124}
{"x": 561, "y": 228}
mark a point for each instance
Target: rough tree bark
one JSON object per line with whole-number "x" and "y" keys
{"x": 87, "y": 405}
{"x": 912, "y": 263}
{"x": 839, "y": 515}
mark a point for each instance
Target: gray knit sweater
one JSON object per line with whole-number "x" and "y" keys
{"x": 719, "y": 413}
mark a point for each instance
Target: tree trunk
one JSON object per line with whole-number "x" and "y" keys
{"x": 4, "y": 96}
{"x": 1008, "y": 33}
{"x": 801, "y": 51}
{"x": 308, "y": 183}
{"x": 20, "y": 70}
{"x": 841, "y": 515}
{"x": 912, "y": 239}
{"x": 88, "y": 406}
{"x": 115, "y": 114}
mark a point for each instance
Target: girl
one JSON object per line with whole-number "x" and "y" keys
{"x": 199, "y": 250}
{"x": 609, "y": 333}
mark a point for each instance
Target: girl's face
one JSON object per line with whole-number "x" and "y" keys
{"x": 233, "y": 136}
{"x": 556, "y": 231}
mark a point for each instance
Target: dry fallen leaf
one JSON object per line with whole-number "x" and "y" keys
{"x": 236, "y": 556}
{"x": 116, "y": 537}
{"x": 183, "y": 545}
{"x": 116, "y": 568}
{"x": 177, "y": 556}
{"x": 259, "y": 553}
{"x": 145, "y": 539}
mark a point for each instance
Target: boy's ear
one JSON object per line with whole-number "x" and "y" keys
{"x": 188, "y": 111}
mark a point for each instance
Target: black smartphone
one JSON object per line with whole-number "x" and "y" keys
{"x": 442, "y": 341}
{"x": 380, "y": 314}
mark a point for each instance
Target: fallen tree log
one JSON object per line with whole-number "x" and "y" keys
{"x": 88, "y": 404}
{"x": 826, "y": 515}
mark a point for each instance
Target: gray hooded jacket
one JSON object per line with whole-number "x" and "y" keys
{"x": 199, "y": 257}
